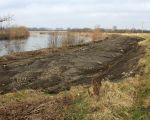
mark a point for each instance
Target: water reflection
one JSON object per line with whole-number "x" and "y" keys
{"x": 11, "y": 46}
{"x": 39, "y": 41}
{"x": 14, "y": 46}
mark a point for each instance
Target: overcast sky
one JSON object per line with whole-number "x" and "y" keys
{"x": 78, "y": 13}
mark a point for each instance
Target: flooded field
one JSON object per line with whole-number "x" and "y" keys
{"x": 38, "y": 41}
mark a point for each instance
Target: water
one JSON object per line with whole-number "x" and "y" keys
{"x": 39, "y": 41}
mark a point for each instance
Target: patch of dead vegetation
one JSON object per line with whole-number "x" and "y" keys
{"x": 31, "y": 105}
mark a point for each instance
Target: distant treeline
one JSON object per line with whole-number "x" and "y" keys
{"x": 14, "y": 33}
{"x": 39, "y": 29}
{"x": 91, "y": 30}
{"x": 126, "y": 31}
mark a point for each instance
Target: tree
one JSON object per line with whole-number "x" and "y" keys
{"x": 4, "y": 19}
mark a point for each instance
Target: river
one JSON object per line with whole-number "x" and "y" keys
{"x": 38, "y": 41}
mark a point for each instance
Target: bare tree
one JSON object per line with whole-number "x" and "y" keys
{"x": 4, "y": 19}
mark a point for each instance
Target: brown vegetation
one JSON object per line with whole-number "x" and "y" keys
{"x": 126, "y": 99}
{"x": 68, "y": 38}
{"x": 97, "y": 34}
{"x": 14, "y": 33}
{"x": 32, "y": 105}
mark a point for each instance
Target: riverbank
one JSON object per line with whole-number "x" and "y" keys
{"x": 48, "y": 69}
{"x": 14, "y": 33}
{"x": 60, "y": 70}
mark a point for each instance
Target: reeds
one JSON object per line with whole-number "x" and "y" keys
{"x": 14, "y": 33}
{"x": 66, "y": 38}
{"x": 69, "y": 38}
{"x": 54, "y": 38}
{"x": 97, "y": 34}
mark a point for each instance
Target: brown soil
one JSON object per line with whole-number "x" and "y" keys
{"x": 53, "y": 71}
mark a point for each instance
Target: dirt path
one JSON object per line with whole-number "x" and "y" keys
{"x": 58, "y": 71}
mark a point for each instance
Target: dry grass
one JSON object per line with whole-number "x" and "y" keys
{"x": 114, "y": 101}
{"x": 128, "y": 99}
{"x": 54, "y": 39}
{"x": 67, "y": 38}
{"x": 14, "y": 33}
{"x": 97, "y": 34}
{"x": 32, "y": 105}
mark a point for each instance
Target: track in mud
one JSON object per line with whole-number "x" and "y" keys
{"x": 59, "y": 71}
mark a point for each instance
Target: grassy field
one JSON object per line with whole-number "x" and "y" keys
{"x": 128, "y": 99}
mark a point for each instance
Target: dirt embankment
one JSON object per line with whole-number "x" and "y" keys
{"x": 57, "y": 71}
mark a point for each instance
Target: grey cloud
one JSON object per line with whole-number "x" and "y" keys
{"x": 78, "y": 13}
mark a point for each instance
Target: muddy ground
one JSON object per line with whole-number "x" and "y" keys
{"x": 58, "y": 70}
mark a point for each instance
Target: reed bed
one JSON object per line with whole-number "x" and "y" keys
{"x": 14, "y": 33}
{"x": 67, "y": 38}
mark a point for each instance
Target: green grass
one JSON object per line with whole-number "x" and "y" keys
{"x": 143, "y": 97}
{"x": 140, "y": 113}
{"x": 78, "y": 110}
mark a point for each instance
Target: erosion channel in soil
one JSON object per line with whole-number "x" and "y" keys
{"x": 53, "y": 71}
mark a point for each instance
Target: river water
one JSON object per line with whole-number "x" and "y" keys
{"x": 38, "y": 41}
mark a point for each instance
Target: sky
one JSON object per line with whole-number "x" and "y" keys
{"x": 78, "y": 13}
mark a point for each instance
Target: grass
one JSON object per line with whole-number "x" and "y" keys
{"x": 67, "y": 38}
{"x": 14, "y": 33}
{"x": 139, "y": 114}
{"x": 98, "y": 34}
{"x": 128, "y": 99}
{"x": 75, "y": 38}
{"x": 29, "y": 104}
{"x": 78, "y": 110}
